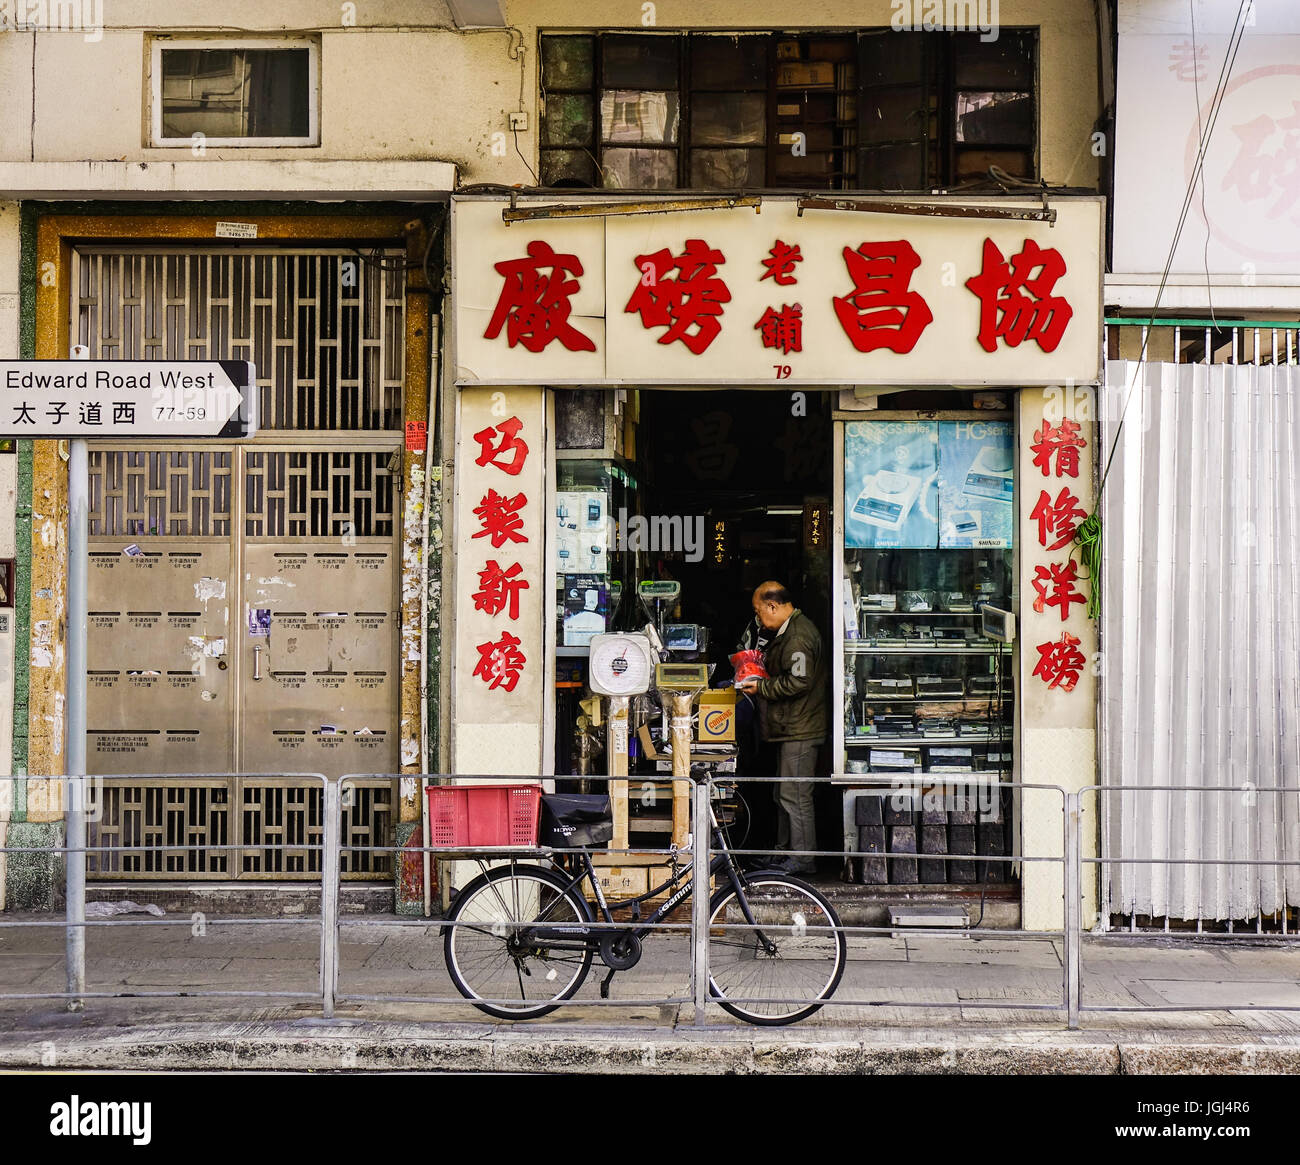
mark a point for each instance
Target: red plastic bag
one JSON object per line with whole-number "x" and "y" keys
{"x": 749, "y": 665}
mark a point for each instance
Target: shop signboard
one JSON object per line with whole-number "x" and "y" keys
{"x": 781, "y": 297}
{"x": 1057, "y": 468}
{"x": 500, "y": 585}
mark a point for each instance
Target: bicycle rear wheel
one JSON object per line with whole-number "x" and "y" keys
{"x": 489, "y": 955}
{"x": 778, "y": 955}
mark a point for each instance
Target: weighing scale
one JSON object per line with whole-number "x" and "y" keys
{"x": 886, "y": 499}
{"x": 659, "y": 589}
{"x": 997, "y": 624}
{"x": 619, "y": 667}
{"x": 685, "y": 681}
{"x": 658, "y": 597}
{"x": 966, "y": 523}
{"x": 681, "y": 677}
{"x": 990, "y": 475}
{"x": 620, "y": 664}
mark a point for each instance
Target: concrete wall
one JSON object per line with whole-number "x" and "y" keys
{"x": 403, "y": 84}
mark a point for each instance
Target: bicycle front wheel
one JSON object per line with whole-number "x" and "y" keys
{"x": 776, "y": 956}
{"x": 491, "y": 954}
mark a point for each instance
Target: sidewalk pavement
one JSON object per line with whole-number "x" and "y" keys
{"x": 906, "y": 1004}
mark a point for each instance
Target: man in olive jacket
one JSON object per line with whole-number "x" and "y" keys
{"x": 797, "y": 714}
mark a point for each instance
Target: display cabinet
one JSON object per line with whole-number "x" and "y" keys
{"x": 590, "y": 570}
{"x": 924, "y": 691}
{"x": 925, "y": 701}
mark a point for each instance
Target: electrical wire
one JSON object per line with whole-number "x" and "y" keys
{"x": 1000, "y": 176}
{"x": 527, "y": 164}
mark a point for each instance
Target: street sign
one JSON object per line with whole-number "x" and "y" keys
{"x": 181, "y": 399}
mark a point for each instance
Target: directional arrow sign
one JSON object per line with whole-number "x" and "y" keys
{"x": 182, "y": 399}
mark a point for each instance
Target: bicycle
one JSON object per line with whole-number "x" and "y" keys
{"x": 776, "y": 947}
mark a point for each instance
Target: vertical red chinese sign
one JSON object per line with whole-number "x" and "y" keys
{"x": 499, "y": 571}
{"x": 1059, "y": 662}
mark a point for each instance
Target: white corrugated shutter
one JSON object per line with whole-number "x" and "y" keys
{"x": 1201, "y": 636}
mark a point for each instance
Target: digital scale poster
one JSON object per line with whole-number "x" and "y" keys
{"x": 918, "y": 485}
{"x": 891, "y": 484}
{"x": 976, "y": 485}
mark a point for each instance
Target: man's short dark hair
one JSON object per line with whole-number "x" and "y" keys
{"x": 778, "y": 595}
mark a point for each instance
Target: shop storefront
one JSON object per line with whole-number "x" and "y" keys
{"x": 884, "y": 405}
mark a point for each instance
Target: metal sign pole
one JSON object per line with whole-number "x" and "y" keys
{"x": 75, "y": 858}
{"x": 79, "y": 398}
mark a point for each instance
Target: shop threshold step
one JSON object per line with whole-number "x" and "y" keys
{"x": 956, "y": 917}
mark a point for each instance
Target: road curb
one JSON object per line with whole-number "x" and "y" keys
{"x": 380, "y": 1048}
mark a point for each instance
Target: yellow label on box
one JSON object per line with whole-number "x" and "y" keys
{"x": 718, "y": 715}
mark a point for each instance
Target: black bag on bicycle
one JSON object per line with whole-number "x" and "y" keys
{"x": 575, "y": 820}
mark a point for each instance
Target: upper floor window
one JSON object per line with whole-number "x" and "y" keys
{"x": 253, "y": 93}
{"x": 871, "y": 110}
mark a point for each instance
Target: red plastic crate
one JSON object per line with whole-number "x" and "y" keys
{"x": 474, "y": 815}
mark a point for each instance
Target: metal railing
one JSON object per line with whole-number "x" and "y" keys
{"x": 1077, "y": 870}
{"x": 80, "y": 799}
{"x": 1246, "y": 926}
{"x": 1191, "y": 341}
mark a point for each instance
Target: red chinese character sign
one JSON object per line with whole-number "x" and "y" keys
{"x": 1060, "y": 662}
{"x": 501, "y": 663}
{"x": 499, "y": 589}
{"x": 1018, "y": 299}
{"x": 682, "y": 293}
{"x": 502, "y": 447}
{"x": 1057, "y": 447}
{"x": 782, "y": 330}
{"x": 1060, "y": 643}
{"x": 882, "y": 310}
{"x": 534, "y": 305}
{"x": 821, "y": 297}
{"x": 497, "y": 626}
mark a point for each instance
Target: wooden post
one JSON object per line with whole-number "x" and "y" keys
{"x": 616, "y": 754}
{"x": 680, "y": 736}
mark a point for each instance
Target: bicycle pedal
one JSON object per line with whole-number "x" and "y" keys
{"x": 604, "y": 985}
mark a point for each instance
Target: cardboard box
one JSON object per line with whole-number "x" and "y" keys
{"x": 717, "y": 715}
{"x": 657, "y": 875}
{"x": 649, "y": 751}
{"x": 622, "y": 881}
{"x": 805, "y": 74}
